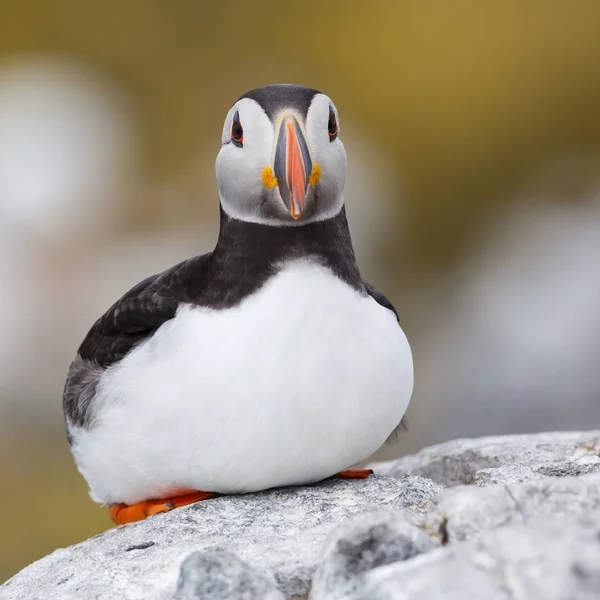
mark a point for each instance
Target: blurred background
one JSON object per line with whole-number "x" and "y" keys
{"x": 473, "y": 134}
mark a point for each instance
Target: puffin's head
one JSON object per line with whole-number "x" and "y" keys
{"x": 282, "y": 161}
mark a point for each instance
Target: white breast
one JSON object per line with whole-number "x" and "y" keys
{"x": 301, "y": 380}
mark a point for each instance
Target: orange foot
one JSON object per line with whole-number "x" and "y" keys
{"x": 355, "y": 473}
{"x": 128, "y": 513}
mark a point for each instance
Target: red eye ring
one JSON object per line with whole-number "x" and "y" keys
{"x": 237, "y": 131}
{"x": 332, "y": 125}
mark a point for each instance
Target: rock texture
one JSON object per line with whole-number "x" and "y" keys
{"x": 281, "y": 533}
{"x": 464, "y": 512}
{"x": 481, "y": 460}
{"x": 363, "y": 543}
{"x": 542, "y": 560}
{"x": 221, "y": 575}
{"x": 514, "y": 517}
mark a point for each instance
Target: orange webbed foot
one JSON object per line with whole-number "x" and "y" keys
{"x": 129, "y": 513}
{"x": 355, "y": 473}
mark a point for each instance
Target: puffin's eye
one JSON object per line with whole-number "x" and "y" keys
{"x": 332, "y": 125}
{"x": 237, "y": 131}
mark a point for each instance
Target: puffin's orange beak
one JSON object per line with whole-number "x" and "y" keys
{"x": 293, "y": 166}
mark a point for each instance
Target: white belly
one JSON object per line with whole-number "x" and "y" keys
{"x": 303, "y": 379}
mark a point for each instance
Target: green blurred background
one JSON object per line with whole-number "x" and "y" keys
{"x": 473, "y": 130}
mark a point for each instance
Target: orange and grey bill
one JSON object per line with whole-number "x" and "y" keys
{"x": 295, "y": 171}
{"x": 129, "y": 513}
{"x": 292, "y": 166}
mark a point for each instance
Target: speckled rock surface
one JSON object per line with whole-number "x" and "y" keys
{"x": 281, "y": 533}
{"x": 540, "y": 560}
{"x": 458, "y": 462}
{"x": 221, "y": 575}
{"x": 519, "y": 519}
{"x": 363, "y": 543}
{"x": 466, "y": 511}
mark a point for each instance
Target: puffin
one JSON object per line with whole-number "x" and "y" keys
{"x": 265, "y": 363}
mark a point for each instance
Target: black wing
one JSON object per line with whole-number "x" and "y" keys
{"x": 131, "y": 320}
{"x": 381, "y": 299}
{"x": 141, "y": 311}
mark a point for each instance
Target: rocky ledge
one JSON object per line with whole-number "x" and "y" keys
{"x": 491, "y": 518}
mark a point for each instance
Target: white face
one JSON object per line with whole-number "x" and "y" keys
{"x": 289, "y": 172}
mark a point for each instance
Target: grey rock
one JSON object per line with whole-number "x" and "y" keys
{"x": 517, "y": 473}
{"x": 221, "y": 575}
{"x": 465, "y": 512}
{"x": 556, "y": 559}
{"x": 363, "y": 543}
{"x": 457, "y": 462}
{"x": 279, "y": 532}
{"x": 569, "y": 469}
{"x": 521, "y": 521}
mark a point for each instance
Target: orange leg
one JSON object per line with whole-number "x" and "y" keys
{"x": 128, "y": 513}
{"x": 355, "y": 473}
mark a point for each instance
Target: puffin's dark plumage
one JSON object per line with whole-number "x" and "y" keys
{"x": 244, "y": 258}
{"x": 272, "y": 98}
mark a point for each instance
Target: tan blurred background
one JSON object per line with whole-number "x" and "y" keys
{"x": 473, "y": 130}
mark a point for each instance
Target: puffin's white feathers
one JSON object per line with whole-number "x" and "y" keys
{"x": 302, "y": 379}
